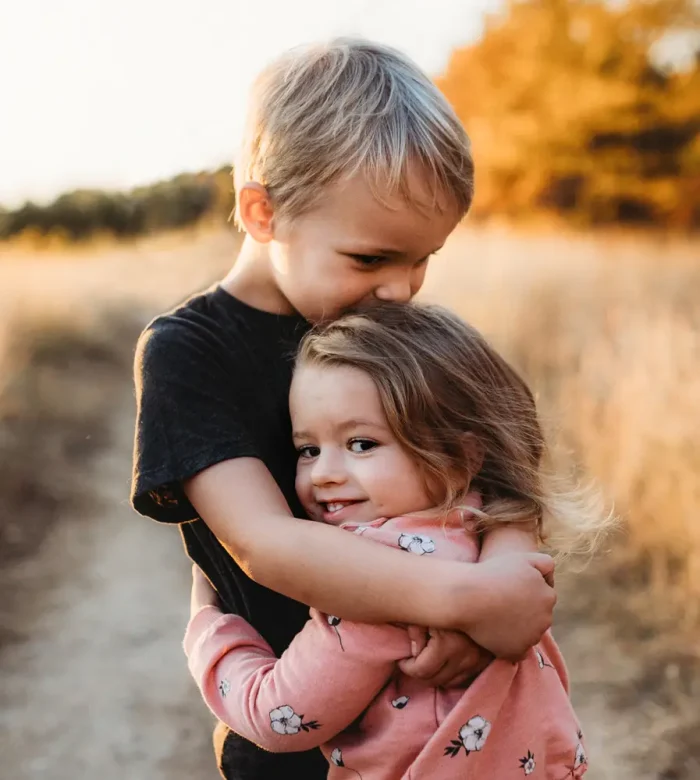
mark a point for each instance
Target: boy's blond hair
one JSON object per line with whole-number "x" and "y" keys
{"x": 326, "y": 111}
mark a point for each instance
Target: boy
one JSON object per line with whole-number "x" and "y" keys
{"x": 352, "y": 172}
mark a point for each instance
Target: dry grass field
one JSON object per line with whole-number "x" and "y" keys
{"x": 607, "y": 328}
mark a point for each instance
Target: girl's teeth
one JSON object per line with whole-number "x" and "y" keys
{"x": 335, "y": 507}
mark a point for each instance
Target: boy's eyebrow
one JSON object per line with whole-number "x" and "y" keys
{"x": 372, "y": 252}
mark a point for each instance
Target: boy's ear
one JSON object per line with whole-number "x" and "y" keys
{"x": 255, "y": 211}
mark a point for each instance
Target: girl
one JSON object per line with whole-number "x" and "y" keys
{"x": 412, "y": 432}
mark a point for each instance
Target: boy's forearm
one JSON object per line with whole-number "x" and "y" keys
{"x": 507, "y": 539}
{"x": 328, "y": 568}
{"x": 342, "y": 574}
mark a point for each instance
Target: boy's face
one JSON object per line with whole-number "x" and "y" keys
{"x": 352, "y": 249}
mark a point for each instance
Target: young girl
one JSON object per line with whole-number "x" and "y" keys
{"x": 414, "y": 433}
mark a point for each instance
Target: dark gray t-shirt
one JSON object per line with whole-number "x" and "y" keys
{"x": 212, "y": 383}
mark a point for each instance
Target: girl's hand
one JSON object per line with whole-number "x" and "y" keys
{"x": 203, "y": 595}
{"x": 444, "y": 659}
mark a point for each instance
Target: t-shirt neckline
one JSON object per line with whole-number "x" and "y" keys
{"x": 262, "y": 314}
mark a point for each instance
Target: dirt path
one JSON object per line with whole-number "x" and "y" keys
{"x": 96, "y": 684}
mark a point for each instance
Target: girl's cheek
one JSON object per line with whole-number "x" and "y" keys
{"x": 302, "y": 482}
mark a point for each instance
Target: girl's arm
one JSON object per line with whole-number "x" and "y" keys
{"x": 504, "y": 605}
{"x": 321, "y": 684}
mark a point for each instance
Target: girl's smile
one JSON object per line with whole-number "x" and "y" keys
{"x": 350, "y": 465}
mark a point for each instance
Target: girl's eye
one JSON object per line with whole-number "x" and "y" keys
{"x": 309, "y": 451}
{"x": 362, "y": 445}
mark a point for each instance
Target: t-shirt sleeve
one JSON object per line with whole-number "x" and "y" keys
{"x": 188, "y": 417}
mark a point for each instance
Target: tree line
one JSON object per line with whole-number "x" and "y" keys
{"x": 82, "y": 214}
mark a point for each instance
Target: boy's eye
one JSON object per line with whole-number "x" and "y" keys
{"x": 368, "y": 260}
{"x": 361, "y": 445}
{"x": 309, "y": 451}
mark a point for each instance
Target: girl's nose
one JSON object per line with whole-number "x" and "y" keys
{"x": 328, "y": 470}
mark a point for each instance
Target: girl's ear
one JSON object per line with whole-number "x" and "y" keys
{"x": 474, "y": 454}
{"x": 471, "y": 463}
{"x": 256, "y": 212}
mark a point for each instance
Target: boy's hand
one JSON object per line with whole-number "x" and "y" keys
{"x": 203, "y": 595}
{"x": 514, "y": 603}
{"x": 444, "y": 659}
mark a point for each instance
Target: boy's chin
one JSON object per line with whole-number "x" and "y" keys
{"x": 359, "y": 308}
{"x": 329, "y": 314}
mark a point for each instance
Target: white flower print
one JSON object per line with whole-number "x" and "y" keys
{"x": 401, "y": 702}
{"x": 224, "y": 687}
{"x": 420, "y": 544}
{"x": 474, "y": 733}
{"x": 472, "y": 737}
{"x": 283, "y": 720}
{"x": 527, "y": 764}
{"x": 541, "y": 661}
{"x": 335, "y": 622}
{"x": 337, "y": 759}
{"x": 580, "y": 760}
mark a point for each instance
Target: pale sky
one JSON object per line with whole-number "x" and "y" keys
{"x": 115, "y": 93}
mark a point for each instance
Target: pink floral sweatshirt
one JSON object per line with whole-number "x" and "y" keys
{"x": 338, "y": 687}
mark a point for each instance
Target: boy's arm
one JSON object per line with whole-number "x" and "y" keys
{"x": 321, "y": 684}
{"x": 466, "y": 659}
{"x": 504, "y": 605}
{"x": 507, "y": 539}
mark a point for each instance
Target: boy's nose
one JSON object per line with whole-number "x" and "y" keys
{"x": 401, "y": 285}
{"x": 399, "y": 290}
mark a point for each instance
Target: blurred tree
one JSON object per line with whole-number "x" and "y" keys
{"x": 573, "y": 107}
{"x": 79, "y": 215}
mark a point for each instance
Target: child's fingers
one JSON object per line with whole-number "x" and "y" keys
{"x": 544, "y": 564}
{"x": 203, "y": 595}
{"x": 418, "y": 637}
{"x": 427, "y": 663}
{"x": 450, "y": 659}
{"x": 426, "y": 666}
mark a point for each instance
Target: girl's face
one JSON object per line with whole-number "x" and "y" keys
{"x": 350, "y": 468}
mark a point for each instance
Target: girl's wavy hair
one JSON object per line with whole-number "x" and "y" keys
{"x": 465, "y": 415}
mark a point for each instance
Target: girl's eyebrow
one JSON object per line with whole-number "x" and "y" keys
{"x": 358, "y": 423}
{"x": 346, "y": 425}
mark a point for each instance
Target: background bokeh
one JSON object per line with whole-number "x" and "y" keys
{"x": 580, "y": 260}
